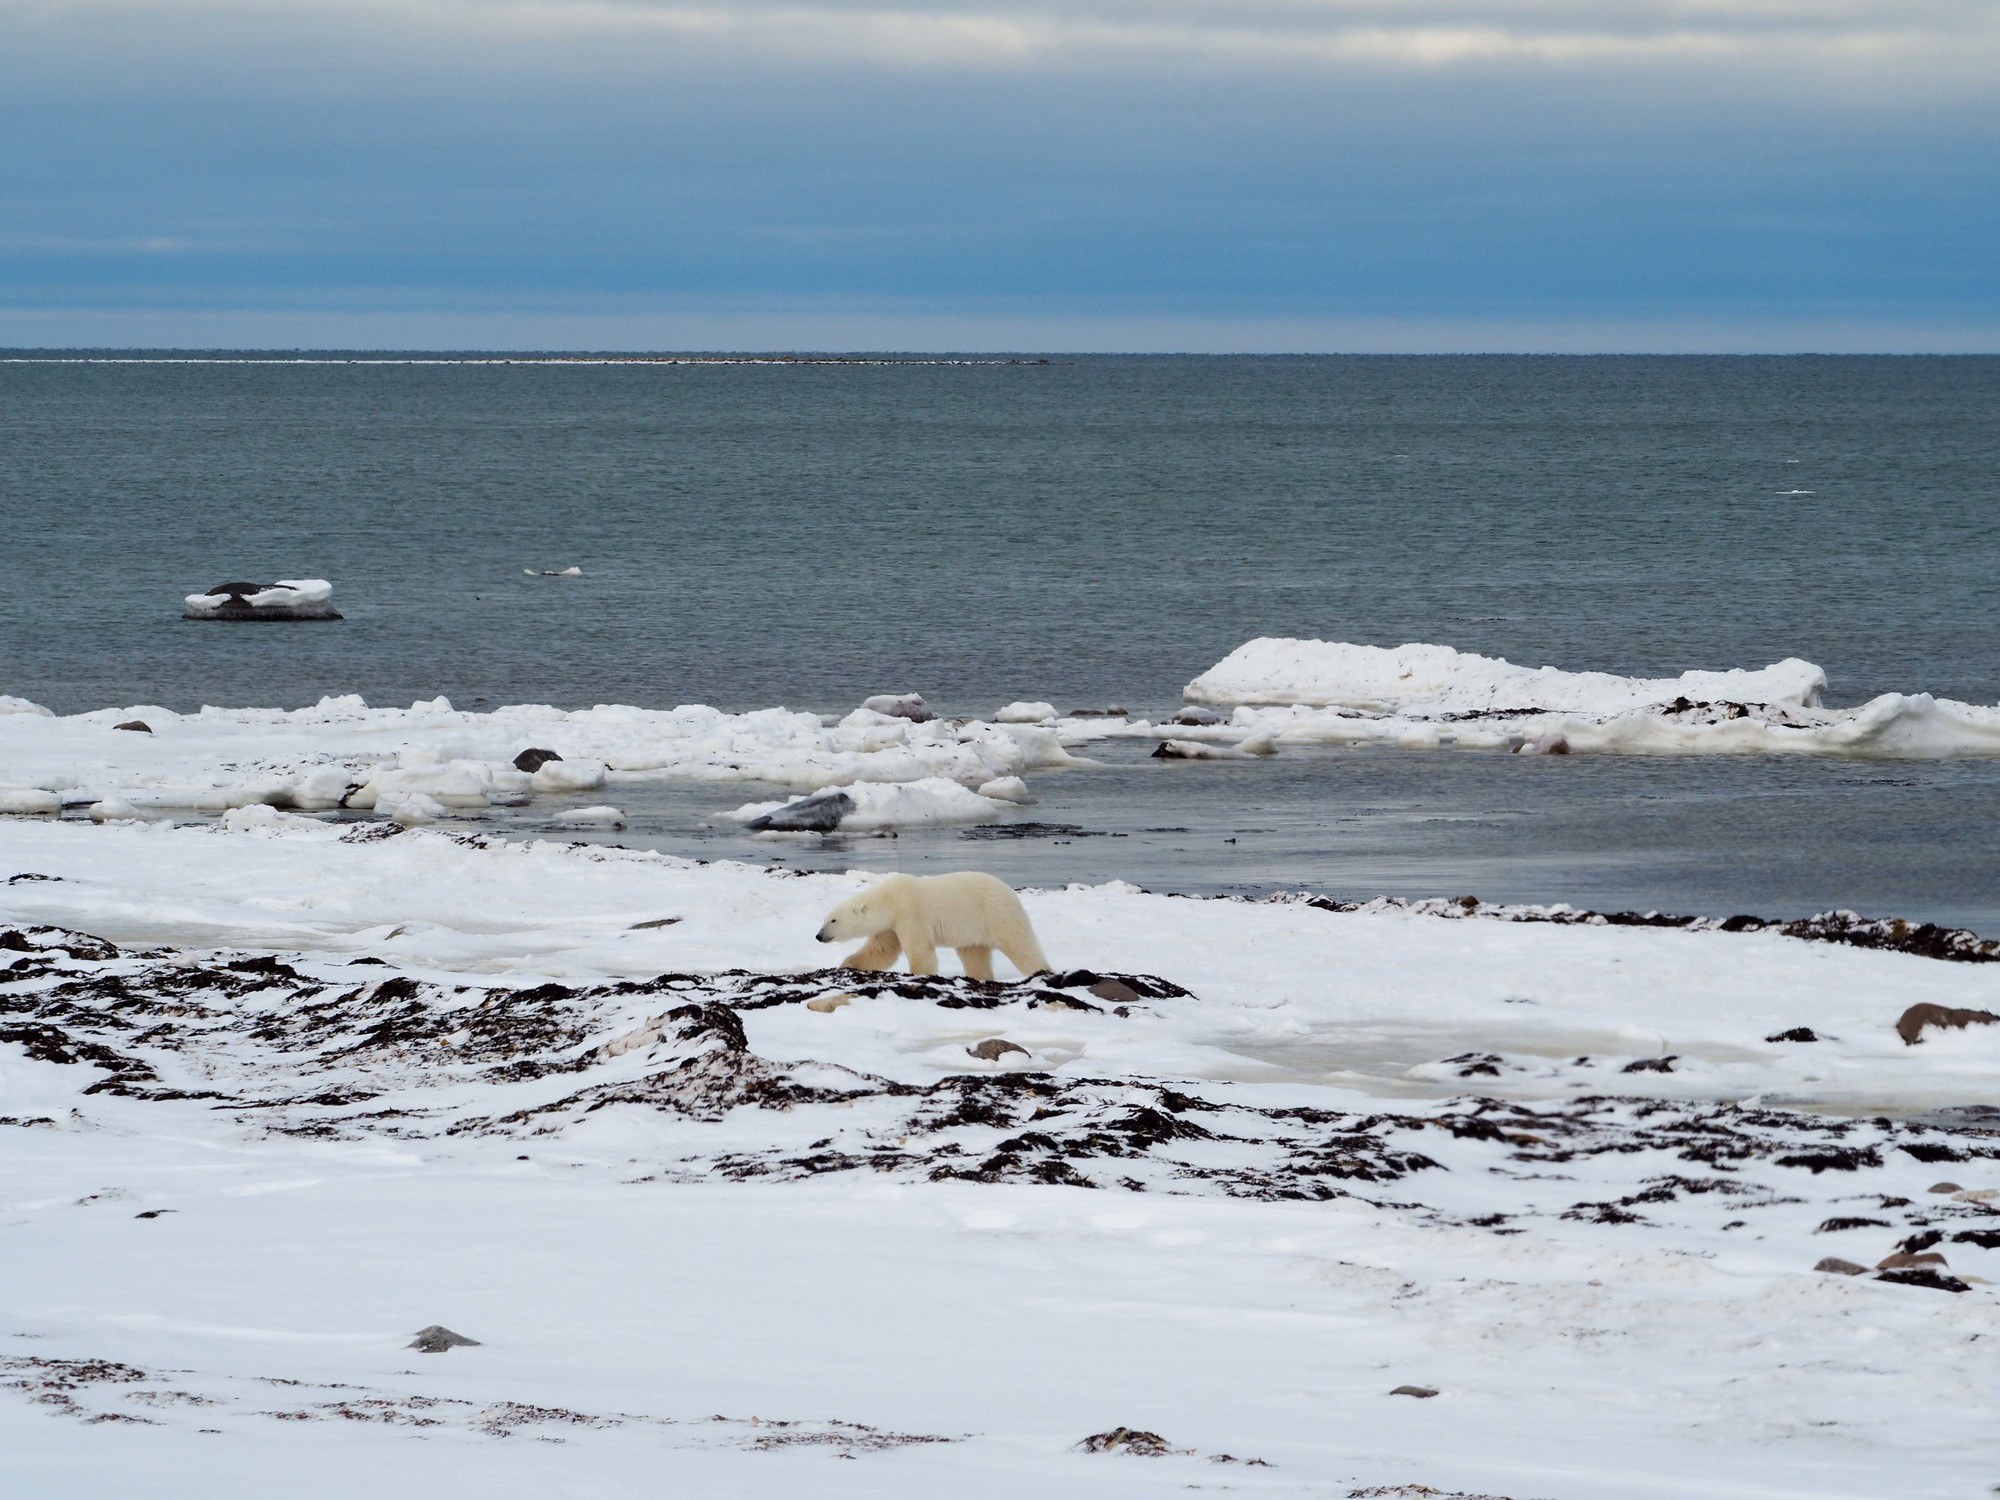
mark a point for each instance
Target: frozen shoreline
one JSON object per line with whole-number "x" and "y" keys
{"x": 375, "y": 1082}
{"x": 431, "y": 760}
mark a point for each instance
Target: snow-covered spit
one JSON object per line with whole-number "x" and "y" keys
{"x": 341, "y": 753}
{"x": 1427, "y": 696}
{"x": 277, "y": 1096}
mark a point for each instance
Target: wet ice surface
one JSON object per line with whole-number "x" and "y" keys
{"x": 1769, "y": 837}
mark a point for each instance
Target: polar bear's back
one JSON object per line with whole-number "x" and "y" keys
{"x": 969, "y": 908}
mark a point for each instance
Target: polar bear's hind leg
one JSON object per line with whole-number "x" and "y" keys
{"x": 978, "y": 962}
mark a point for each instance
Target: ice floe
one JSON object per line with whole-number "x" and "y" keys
{"x": 287, "y": 599}
{"x": 1434, "y": 697}
{"x": 342, "y": 753}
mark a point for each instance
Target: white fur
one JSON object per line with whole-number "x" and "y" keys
{"x": 969, "y": 911}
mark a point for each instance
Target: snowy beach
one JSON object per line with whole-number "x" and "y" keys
{"x": 721, "y": 1218}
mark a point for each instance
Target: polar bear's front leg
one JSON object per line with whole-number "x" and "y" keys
{"x": 879, "y": 952}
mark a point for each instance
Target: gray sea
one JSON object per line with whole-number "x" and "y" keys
{"x": 1089, "y": 531}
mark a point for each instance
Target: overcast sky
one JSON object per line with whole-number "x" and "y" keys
{"x": 1079, "y": 174}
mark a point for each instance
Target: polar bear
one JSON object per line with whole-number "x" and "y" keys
{"x": 969, "y": 911}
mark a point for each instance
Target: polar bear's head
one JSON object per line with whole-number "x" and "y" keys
{"x": 859, "y": 916}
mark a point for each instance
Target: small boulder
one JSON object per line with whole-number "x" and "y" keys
{"x": 1946, "y": 1187}
{"x": 1910, "y": 1025}
{"x": 819, "y": 813}
{"x": 1902, "y": 1260}
{"x": 1421, "y": 1392}
{"x": 994, "y": 1048}
{"x": 1834, "y": 1265}
{"x": 1117, "y": 991}
{"x": 137, "y": 726}
{"x": 1796, "y": 1034}
{"x": 1126, "y": 1440}
{"x": 533, "y": 759}
{"x": 437, "y": 1338}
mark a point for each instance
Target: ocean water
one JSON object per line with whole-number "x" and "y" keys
{"x": 1088, "y": 531}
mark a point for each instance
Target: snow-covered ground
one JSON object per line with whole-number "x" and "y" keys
{"x": 726, "y": 1222}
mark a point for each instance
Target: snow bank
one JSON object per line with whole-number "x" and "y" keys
{"x": 1438, "y": 679}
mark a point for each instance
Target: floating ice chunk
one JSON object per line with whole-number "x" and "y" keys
{"x": 29, "y": 800}
{"x": 414, "y": 808}
{"x": 114, "y": 810}
{"x": 569, "y": 776}
{"x": 287, "y": 599}
{"x": 1272, "y": 670}
{"x": 570, "y": 572}
{"x": 1007, "y": 789}
{"x": 1025, "y": 713}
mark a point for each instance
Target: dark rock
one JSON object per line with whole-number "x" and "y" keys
{"x": 1117, "y": 991}
{"x": 1126, "y": 1440}
{"x": 993, "y": 1049}
{"x": 1796, "y": 1034}
{"x": 437, "y": 1338}
{"x": 1836, "y": 1226}
{"x": 1652, "y": 1064}
{"x": 532, "y": 760}
{"x": 656, "y": 922}
{"x": 1421, "y": 1392}
{"x": 1838, "y": 1267}
{"x": 137, "y": 726}
{"x": 819, "y": 813}
{"x": 1910, "y": 1025}
{"x": 153, "y": 1213}
{"x": 1946, "y": 1187}
{"x": 1924, "y": 1276}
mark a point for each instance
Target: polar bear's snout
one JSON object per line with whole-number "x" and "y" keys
{"x": 825, "y": 934}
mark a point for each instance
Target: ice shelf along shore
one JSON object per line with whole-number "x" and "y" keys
{"x": 143, "y": 760}
{"x": 1189, "y": 1212}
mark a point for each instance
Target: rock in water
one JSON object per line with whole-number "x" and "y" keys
{"x": 819, "y": 813}
{"x": 287, "y": 599}
{"x": 909, "y": 706}
{"x": 533, "y": 759}
{"x": 437, "y": 1338}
